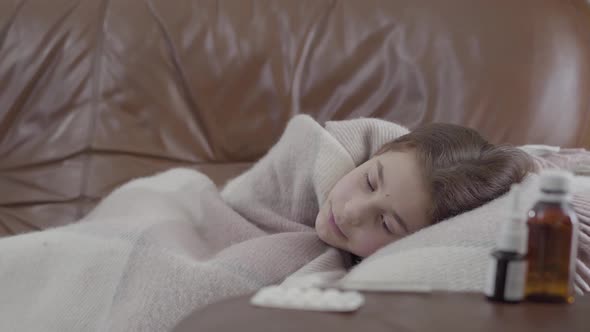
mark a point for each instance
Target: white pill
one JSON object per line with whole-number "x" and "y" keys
{"x": 332, "y": 295}
{"x": 313, "y": 292}
{"x": 294, "y": 292}
{"x": 308, "y": 298}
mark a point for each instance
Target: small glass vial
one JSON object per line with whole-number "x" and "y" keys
{"x": 552, "y": 242}
{"x": 507, "y": 265}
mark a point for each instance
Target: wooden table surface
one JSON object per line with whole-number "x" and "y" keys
{"x": 438, "y": 311}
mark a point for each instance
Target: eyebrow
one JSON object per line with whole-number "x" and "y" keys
{"x": 395, "y": 214}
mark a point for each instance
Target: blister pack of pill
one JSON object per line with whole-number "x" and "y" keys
{"x": 316, "y": 299}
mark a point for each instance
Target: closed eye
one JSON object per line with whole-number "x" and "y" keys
{"x": 371, "y": 188}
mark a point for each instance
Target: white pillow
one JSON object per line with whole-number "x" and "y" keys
{"x": 539, "y": 149}
{"x": 451, "y": 255}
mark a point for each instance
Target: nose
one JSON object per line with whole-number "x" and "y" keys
{"x": 359, "y": 210}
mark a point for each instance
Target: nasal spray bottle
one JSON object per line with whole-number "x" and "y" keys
{"x": 507, "y": 268}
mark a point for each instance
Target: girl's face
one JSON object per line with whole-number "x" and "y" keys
{"x": 378, "y": 202}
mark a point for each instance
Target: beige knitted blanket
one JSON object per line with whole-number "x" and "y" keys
{"x": 159, "y": 247}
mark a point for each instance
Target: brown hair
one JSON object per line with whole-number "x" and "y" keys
{"x": 461, "y": 169}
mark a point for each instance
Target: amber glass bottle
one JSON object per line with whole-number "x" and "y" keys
{"x": 552, "y": 242}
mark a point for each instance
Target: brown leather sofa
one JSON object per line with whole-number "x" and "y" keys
{"x": 94, "y": 93}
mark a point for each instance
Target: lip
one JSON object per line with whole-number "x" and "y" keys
{"x": 334, "y": 225}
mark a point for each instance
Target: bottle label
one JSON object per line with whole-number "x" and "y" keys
{"x": 515, "y": 280}
{"x": 505, "y": 279}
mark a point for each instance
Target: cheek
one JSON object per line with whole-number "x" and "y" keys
{"x": 366, "y": 243}
{"x": 343, "y": 189}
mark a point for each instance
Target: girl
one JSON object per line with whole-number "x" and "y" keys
{"x": 433, "y": 173}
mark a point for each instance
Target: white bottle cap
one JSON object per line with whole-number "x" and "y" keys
{"x": 514, "y": 232}
{"x": 555, "y": 180}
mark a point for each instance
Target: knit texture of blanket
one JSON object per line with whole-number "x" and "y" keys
{"x": 160, "y": 247}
